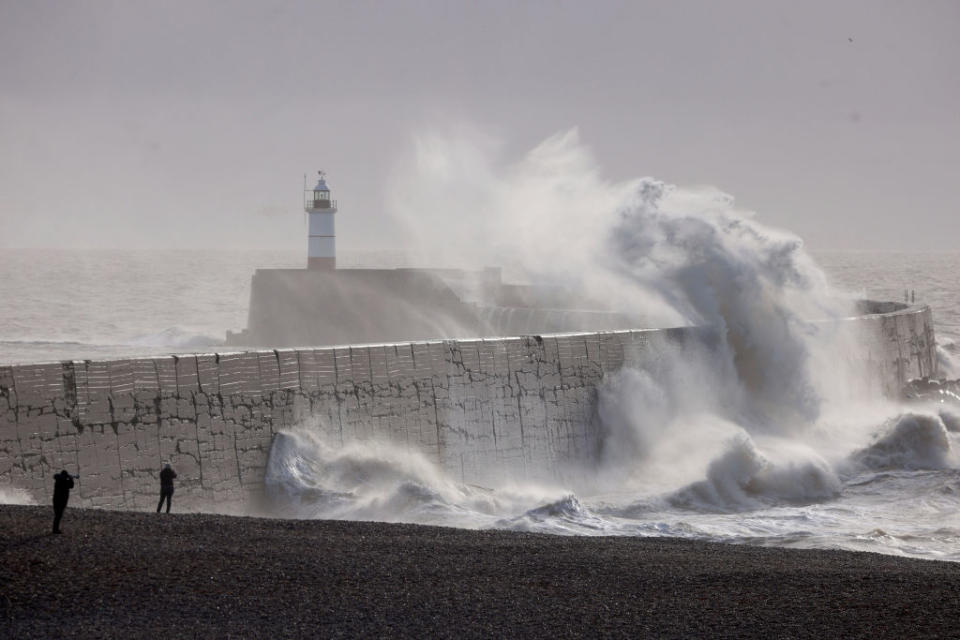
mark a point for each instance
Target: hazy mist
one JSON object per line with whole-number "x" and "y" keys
{"x": 191, "y": 124}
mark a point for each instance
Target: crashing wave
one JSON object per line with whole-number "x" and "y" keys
{"x": 564, "y": 516}
{"x": 910, "y": 441}
{"x": 948, "y": 359}
{"x": 743, "y": 478}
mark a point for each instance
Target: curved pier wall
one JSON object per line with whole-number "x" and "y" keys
{"x": 473, "y": 405}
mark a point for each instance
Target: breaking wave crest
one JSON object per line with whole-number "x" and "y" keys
{"x": 307, "y": 477}
{"x": 565, "y": 516}
{"x": 766, "y": 428}
{"x": 757, "y": 490}
{"x": 910, "y": 441}
{"x": 743, "y": 478}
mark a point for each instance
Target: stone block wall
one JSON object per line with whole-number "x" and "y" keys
{"x": 478, "y": 407}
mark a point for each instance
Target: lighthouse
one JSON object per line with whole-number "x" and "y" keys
{"x": 322, "y": 240}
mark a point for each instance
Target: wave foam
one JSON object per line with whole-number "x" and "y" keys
{"x": 951, "y": 419}
{"x": 14, "y": 495}
{"x": 948, "y": 359}
{"x": 910, "y": 441}
{"x": 307, "y": 477}
{"x": 564, "y": 516}
{"x": 744, "y": 478}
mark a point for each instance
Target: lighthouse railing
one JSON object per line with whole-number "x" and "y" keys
{"x": 319, "y": 204}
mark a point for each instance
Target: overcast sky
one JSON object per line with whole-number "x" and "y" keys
{"x": 191, "y": 124}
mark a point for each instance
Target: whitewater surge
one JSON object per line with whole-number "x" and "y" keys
{"x": 898, "y": 493}
{"x": 770, "y": 430}
{"x": 307, "y": 477}
{"x": 948, "y": 359}
{"x": 14, "y": 495}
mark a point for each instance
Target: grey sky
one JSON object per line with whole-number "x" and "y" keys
{"x": 182, "y": 124}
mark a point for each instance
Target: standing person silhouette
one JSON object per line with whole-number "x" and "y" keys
{"x": 62, "y": 483}
{"x": 167, "y": 474}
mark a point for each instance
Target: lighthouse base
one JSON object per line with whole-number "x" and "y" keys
{"x": 324, "y": 306}
{"x": 322, "y": 264}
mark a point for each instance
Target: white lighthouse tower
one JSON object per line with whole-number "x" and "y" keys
{"x": 322, "y": 243}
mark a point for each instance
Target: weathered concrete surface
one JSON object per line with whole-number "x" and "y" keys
{"x": 476, "y": 406}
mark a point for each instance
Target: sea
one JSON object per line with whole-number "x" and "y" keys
{"x": 868, "y": 475}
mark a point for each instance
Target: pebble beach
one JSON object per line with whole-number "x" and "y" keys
{"x": 133, "y": 575}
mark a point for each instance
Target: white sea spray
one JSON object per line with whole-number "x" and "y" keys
{"x": 769, "y": 432}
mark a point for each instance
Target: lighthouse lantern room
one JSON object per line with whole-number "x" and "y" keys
{"x": 322, "y": 241}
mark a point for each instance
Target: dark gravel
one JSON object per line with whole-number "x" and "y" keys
{"x": 117, "y": 574}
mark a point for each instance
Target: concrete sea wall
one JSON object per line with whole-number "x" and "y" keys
{"x": 472, "y": 405}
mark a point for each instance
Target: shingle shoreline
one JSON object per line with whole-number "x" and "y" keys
{"x": 122, "y": 574}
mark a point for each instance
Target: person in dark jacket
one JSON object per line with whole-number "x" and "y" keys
{"x": 62, "y": 483}
{"x": 166, "y": 486}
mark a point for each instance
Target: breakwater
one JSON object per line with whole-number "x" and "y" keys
{"x": 472, "y": 405}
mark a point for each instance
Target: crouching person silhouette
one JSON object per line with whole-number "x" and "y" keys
{"x": 167, "y": 474}
{"x": 62, "y": 483}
